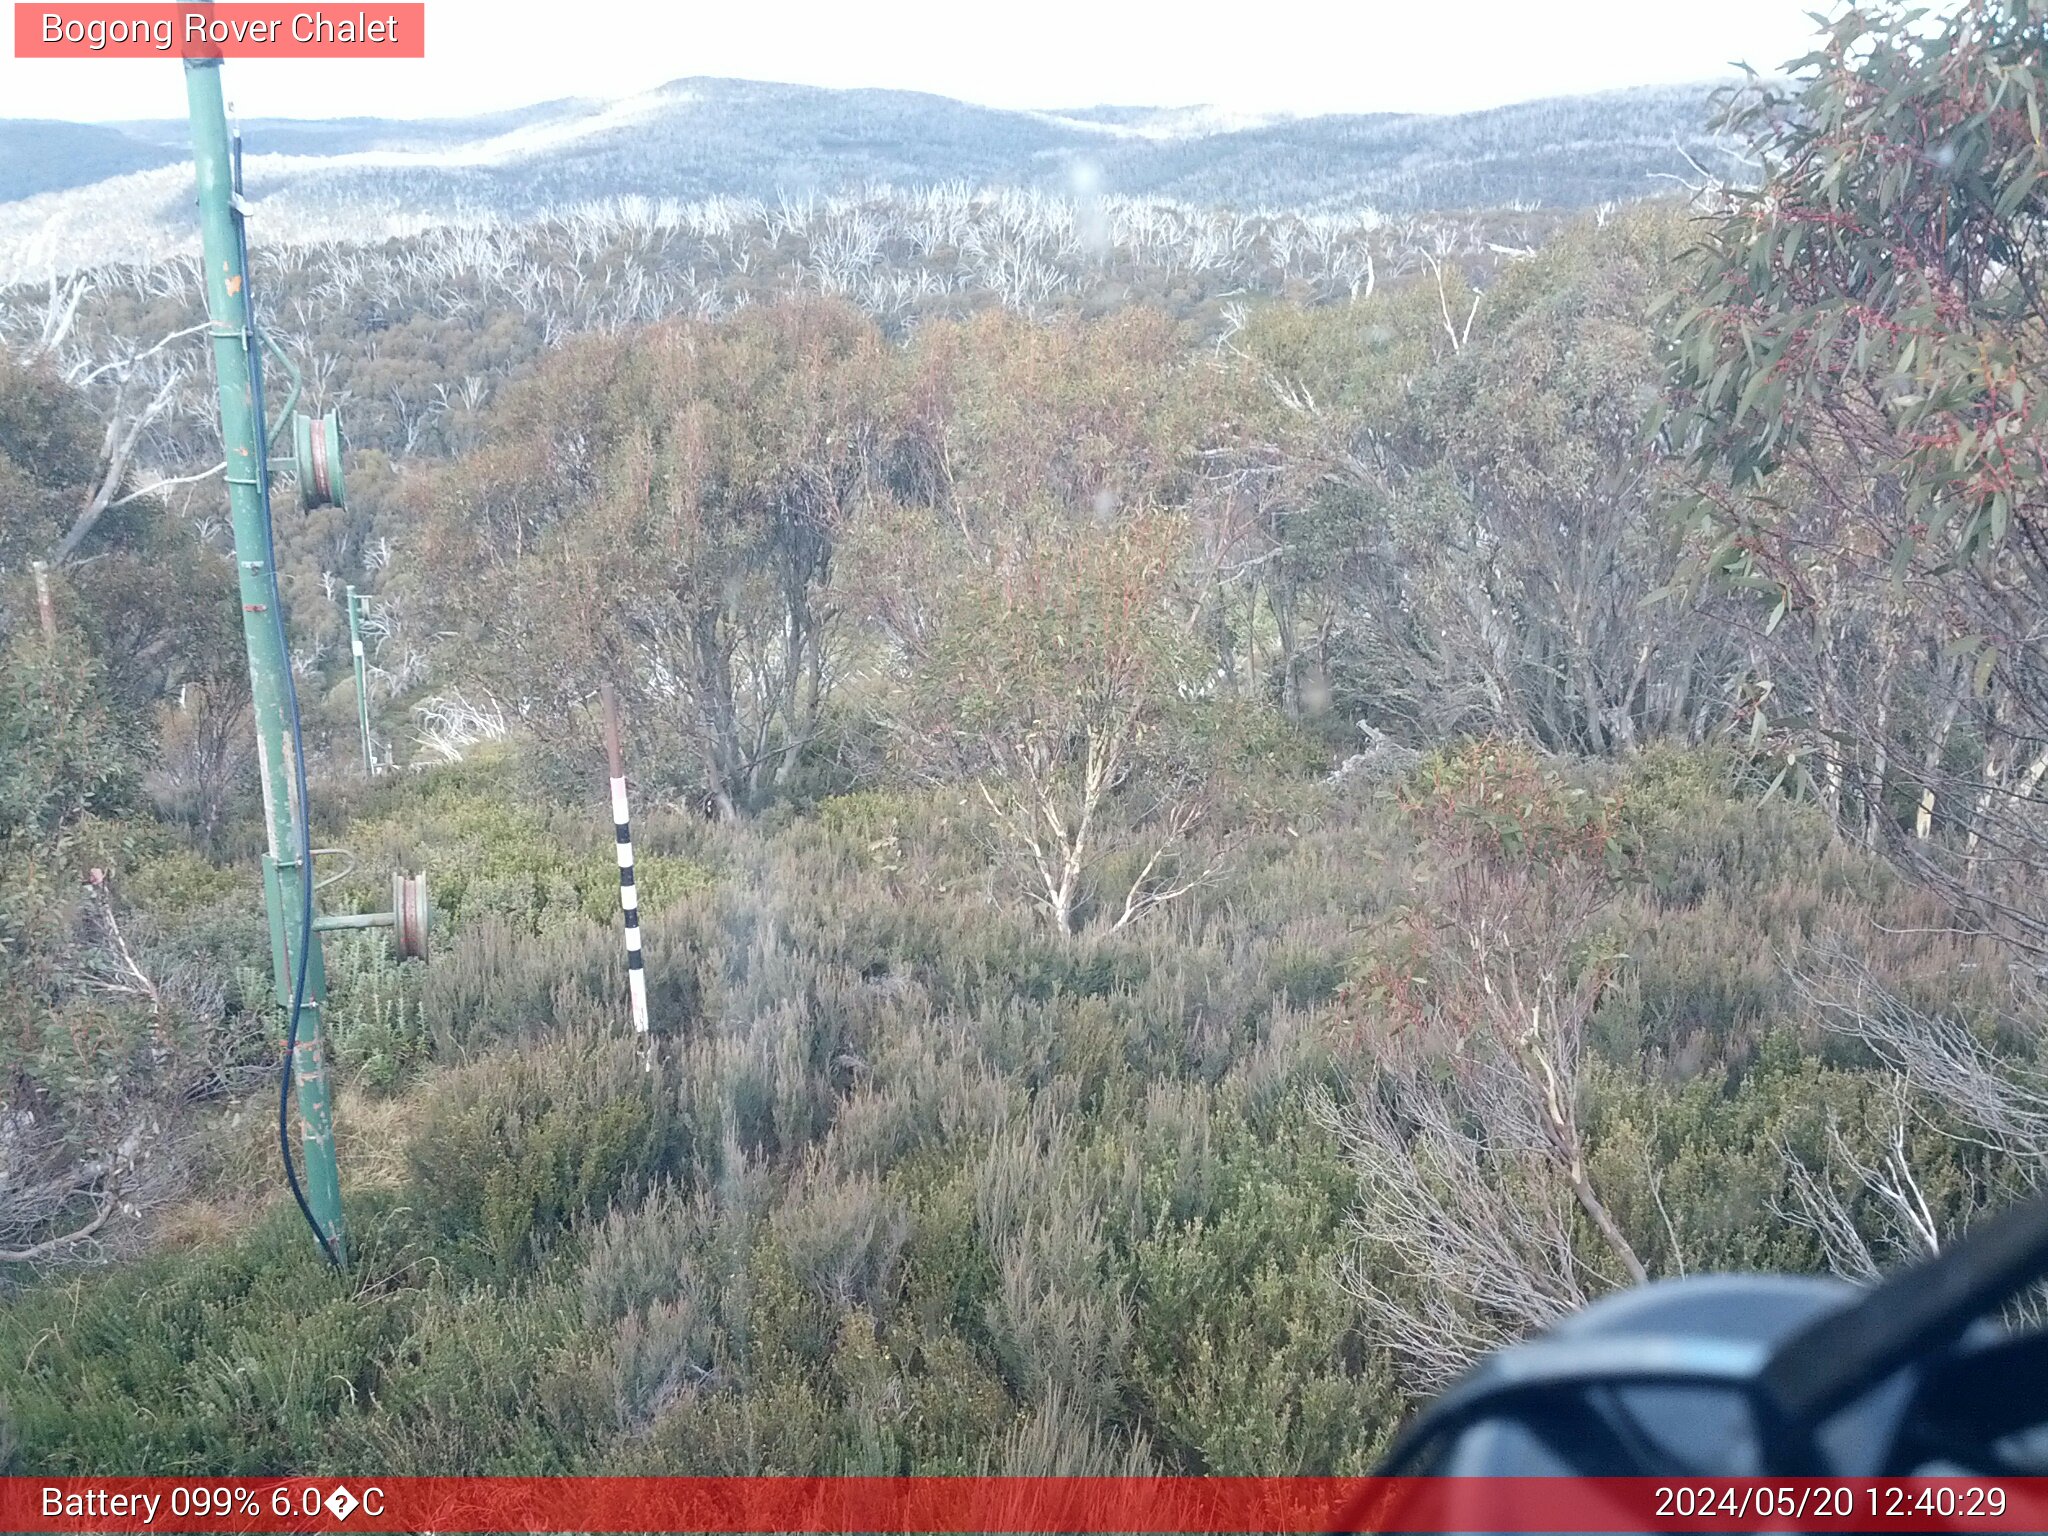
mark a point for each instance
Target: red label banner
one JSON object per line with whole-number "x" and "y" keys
{"x": 215, "y": 29}
{"x": 1020, "y": 1504}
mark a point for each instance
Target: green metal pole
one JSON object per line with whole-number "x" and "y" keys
{"x": 287, "y": 886}
{"x": 355, "y": 645}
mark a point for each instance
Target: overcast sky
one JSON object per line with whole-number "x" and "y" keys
{"x": 1253, "y": 55}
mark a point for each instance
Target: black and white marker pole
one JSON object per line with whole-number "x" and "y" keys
{"x": 629, "y": 895}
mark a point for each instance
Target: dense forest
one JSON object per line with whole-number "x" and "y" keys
{"x": 1219, "y": 835}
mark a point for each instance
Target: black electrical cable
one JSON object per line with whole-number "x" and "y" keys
{"x": 302, "y": 821}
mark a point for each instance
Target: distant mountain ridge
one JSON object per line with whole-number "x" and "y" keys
{"x": 699, "y": 138}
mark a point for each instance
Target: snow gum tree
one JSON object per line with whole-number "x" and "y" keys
{"x": 1859, "y": 364}
{"x": 1060, "y": 683}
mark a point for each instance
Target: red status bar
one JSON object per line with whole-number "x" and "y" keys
{"x": 1020, "y": 1504}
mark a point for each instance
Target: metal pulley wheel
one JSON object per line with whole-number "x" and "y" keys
{"x": 412, "y": 915}
{"x": 317, "y": 442}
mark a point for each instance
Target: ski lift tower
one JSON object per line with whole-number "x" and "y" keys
{"x": 288, "y": 884}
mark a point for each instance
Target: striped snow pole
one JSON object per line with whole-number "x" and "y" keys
{"x": 629, "y": 896}
{"x": 355, "y": 648}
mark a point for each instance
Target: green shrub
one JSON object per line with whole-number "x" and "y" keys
{"x": 244, "y": 1358}
{"x": 376, "y": 1029}
{"x": 513, "y": 1150}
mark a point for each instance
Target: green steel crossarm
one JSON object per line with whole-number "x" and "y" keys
{"x": 284, "y": 415}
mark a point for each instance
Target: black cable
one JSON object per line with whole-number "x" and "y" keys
{"x": 299, "y": 960}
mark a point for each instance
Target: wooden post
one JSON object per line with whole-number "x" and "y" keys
{"x": 629, "y": 895}
{"x": 43, "y": 606}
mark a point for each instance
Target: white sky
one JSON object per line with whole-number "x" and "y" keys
{"x": 1251, "y": 55}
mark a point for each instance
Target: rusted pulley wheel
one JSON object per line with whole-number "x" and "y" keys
{"x": 412, "y": 915}
{"x": 317, "y": 440}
